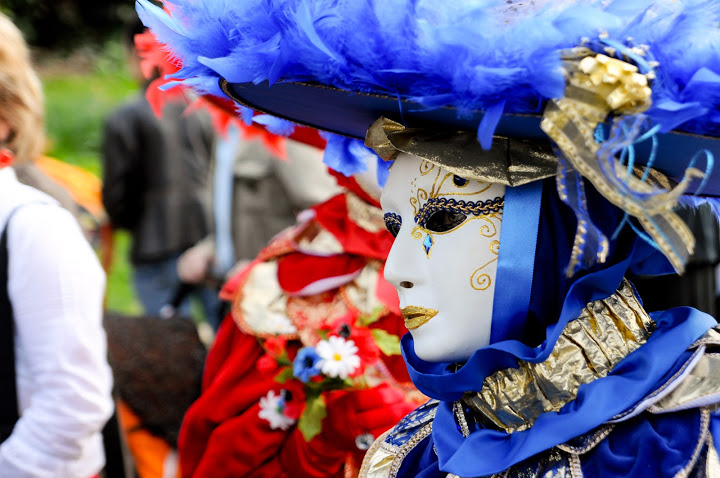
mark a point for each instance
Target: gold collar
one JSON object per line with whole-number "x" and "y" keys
{"x": 589, "y": 347}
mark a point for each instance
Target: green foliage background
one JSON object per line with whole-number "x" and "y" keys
{"x": 81, "y": 89}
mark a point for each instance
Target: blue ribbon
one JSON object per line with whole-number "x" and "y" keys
{"x": 516, "y": 262}
{"x": 598, "y": 401}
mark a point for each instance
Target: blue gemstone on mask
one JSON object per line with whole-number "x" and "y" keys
{"x": 427, "y": 244}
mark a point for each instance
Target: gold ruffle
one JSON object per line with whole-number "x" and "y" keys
{"x": 589, "y": 347}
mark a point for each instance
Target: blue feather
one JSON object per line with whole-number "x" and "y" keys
{"x": 347, "y": 156}
{"x": 275, "y": 125}
{"x": 697, "y": 201}
{"x": 468, "y": 54}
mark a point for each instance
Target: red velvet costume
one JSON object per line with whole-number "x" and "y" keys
{"x": 312, "y": 280}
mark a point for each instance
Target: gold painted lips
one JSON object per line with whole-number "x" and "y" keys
{"x": 416, "y": 316}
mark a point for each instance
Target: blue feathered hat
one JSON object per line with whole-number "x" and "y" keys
{"x": 626, "y": 93}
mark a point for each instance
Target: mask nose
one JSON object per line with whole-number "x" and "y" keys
{"x": 404, "y": 263}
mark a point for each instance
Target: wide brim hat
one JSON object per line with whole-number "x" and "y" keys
{"x": 623, "y": 94}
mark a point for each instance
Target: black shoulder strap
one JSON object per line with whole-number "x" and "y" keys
{"x": 8, "y": 383}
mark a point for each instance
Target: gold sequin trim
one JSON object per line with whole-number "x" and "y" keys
{"x": 599, "y": 436}
{"x": 367, "y": 460}
{"x": 589, "y": 347}
{"x": 407, "y": 448}
{"x": 712, "y": 461}
{"x": 704, "y": 430}
{"x": 575, "y": 466}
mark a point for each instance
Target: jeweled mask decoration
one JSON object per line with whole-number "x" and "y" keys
{"x": 443, "y": 262}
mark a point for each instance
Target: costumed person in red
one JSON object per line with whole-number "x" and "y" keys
{"x": 306, "y": 370}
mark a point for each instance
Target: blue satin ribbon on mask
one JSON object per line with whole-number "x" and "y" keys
{"x": 516, "y": 260}
{"x": 440, "y": 380}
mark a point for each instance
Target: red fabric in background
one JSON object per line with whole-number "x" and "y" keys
{"x": 297, "y": 271}
{"x": 223, "y": 436}
{"x": 333, "y": 216}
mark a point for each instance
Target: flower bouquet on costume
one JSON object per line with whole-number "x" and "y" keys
{"x": 345, "y": 356}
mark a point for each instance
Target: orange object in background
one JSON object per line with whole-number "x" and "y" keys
{"x": 84, "y": 187}
{"x": 86, "y": 190}
{"x": 153, "y": 457}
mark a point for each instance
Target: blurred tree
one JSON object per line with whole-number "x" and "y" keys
{"x": 68, "y": 24}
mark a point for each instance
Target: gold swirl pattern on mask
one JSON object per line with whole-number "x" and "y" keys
{"x": 417, "y": 232}
{"x": 489, "y": 229}
{"x": 480, "y": 280}
{"x": 589, "y": 347}
{"x": 426, "y": 167}
{"x": 419, "y": 196}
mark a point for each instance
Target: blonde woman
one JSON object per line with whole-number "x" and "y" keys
{"x": 54, "y": 378}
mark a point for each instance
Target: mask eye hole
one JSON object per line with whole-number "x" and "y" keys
{"x": 443, "y": 221}
{"x": 392, "y": 223}
{"x": 459, "y": 182}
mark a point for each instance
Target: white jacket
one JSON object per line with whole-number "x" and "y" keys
{"x": 56, "y": 288}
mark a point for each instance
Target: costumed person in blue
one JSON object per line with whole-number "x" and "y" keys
{"x": 538, "y": 152}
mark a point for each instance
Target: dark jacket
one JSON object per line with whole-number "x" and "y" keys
{"x": 155, "y": 177}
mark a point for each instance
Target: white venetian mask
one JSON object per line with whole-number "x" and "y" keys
{"x": 444, "y": 258}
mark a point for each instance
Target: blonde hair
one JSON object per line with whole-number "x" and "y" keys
{"x": 21, "y": 97}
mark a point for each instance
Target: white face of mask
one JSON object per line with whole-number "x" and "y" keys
{"x": 444, "y": 259}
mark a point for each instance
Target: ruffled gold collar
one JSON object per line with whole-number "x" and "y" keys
{"x": 589, "y": 347}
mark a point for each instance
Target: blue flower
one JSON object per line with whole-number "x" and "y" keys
{"x": 306, "y": 364}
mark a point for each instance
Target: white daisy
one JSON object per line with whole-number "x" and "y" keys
{"x": 271, "y": 409}
{"x": 338, "y": 357}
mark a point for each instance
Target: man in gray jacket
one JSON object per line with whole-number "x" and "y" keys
{"x": 155, "y": 186}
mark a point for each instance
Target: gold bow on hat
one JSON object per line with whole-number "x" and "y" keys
{"x": 598, "y": 86}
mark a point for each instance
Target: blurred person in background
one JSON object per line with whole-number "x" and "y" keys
{"x": 55, "y": 379}
{"x": 260, "y": 182}
{"x": 155, "y": 186}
